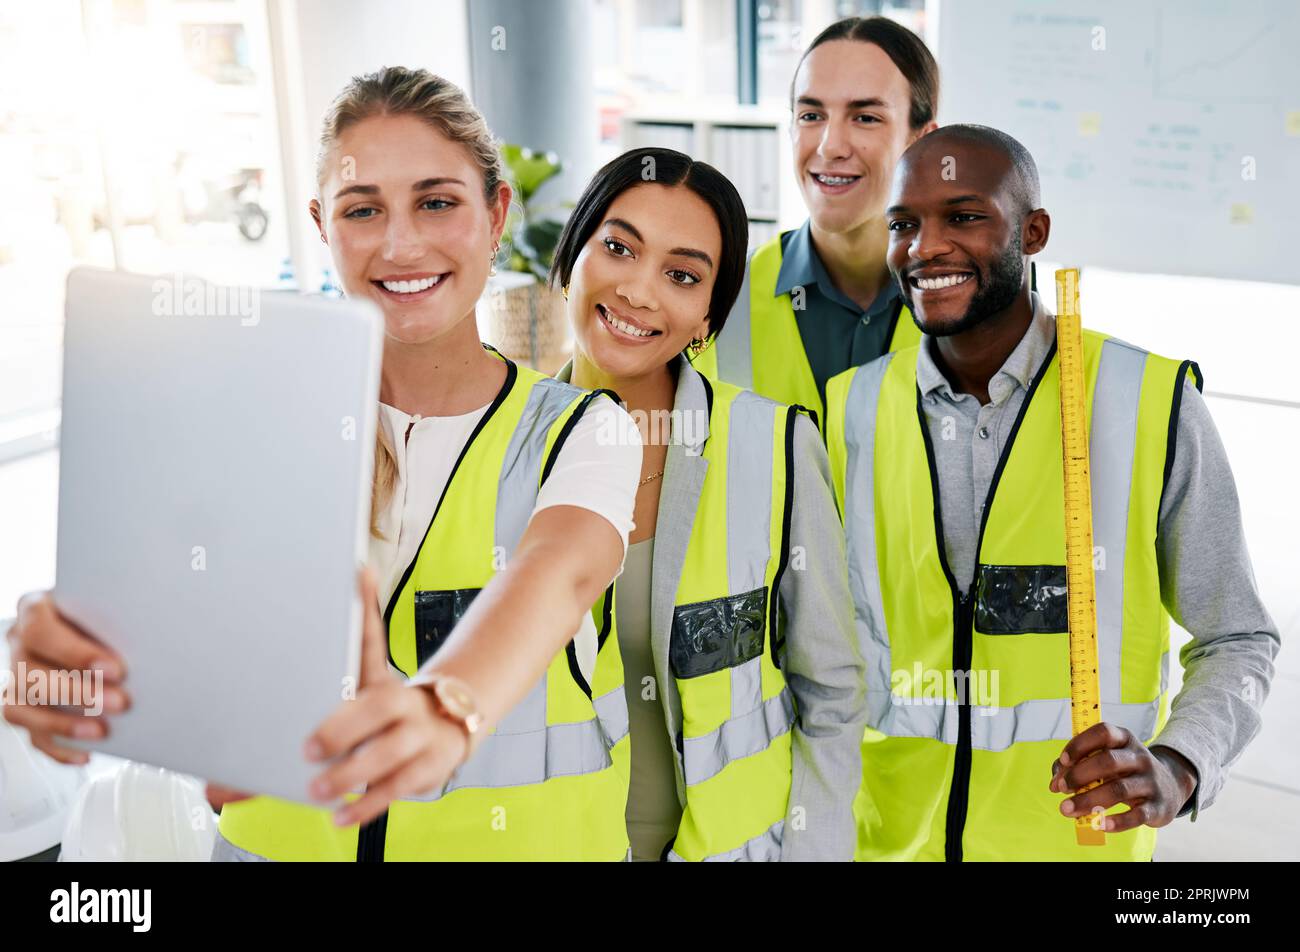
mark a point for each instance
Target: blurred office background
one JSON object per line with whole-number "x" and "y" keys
{"x": 179, "y": 135}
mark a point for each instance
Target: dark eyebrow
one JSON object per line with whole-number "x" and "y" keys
{"x": 357, "y": 190}
{"x": 417, "y": 187}
{"x": 957, "y": 200}
{"x": 421, "y": 185}
{"x": 683, "y": 252}
{"x": 692, "y": 253}
{"x": 625, "y": 225}
{"x": 873, "y": 102}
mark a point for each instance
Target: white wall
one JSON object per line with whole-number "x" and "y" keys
{"x": 321, "y": 44}
{"x": 341, "y": 38}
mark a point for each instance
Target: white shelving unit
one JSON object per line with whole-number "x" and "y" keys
{"x": 748, "y": 144}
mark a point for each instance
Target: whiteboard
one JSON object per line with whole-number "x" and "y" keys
{"x": 1166, "y": 132}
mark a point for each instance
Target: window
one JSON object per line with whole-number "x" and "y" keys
{"x": 786, "y": 27}
{"x": 649, "y": 52}
{"x": 133, "y": 135}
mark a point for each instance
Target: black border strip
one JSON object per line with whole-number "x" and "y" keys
{"x": 963, "y": 623}
{"x": 893, "y": 325}
{"x": 961, "y": 650}
{"x": 570, "y": 423}
{"x": 570, "y": 650}
{"x": 775, "y": 646}
{"x": 1171, "y": 440}
{"x": 607, "y": 618}
{"x": 1011, "y": 439}
{"x": 512, "y": 373}
{"x": 372, "y": 836}
{"x": 708, "y": 401}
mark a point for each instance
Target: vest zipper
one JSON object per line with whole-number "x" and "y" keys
{"x": 959, "y": 793}
{"x": 963, "y": 635}
{"x": 370, "y": 840}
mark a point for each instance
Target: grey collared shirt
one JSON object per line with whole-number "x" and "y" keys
{"x": 836, "y": 333}
{"x": 1206, "y": 579}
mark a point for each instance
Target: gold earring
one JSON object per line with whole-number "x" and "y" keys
{"x": 492, "y": 261}
{"x": 565, "y": 291}
{"x": 699, "y": 345}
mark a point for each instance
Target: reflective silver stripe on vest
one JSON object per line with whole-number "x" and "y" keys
{"x": 611, "y": 711}
{"x": 749, "y": 498}
{"x": 859, "y": 520}
{"x": 517, "y": 490}
{"x": 1111, "y": 446}
{"x": 516, "y": 760}
{"x": 704, "y": 757}
{"x": 997, "y": 728}
{"x": 734, "y": 345}
{"x": 524, "y": 749}
{"x": 764, "y": 848}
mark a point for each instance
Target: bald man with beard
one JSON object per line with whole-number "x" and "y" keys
{"x": 947, "y": 464}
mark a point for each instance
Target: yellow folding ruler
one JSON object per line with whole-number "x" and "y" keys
{"x": 1085, "y": 689}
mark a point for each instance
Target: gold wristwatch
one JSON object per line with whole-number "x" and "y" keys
{"x": 453, "y": 700}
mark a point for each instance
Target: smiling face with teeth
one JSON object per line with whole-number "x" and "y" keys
{"x": 403, "y": 211}
{"x": 641, "y": 286}
{"x": 960, "y": 226}
{"x": 850, "y": 125}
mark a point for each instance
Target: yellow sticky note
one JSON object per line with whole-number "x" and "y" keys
{"x": 1089, "y": 123}
{"x": 1293, "y": 122}
{"x": 1241, "y": 213}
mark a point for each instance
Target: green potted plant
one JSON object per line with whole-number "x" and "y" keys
{"x": 527, "y": 321}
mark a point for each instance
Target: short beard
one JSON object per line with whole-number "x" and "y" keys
{"x": 1005, "y": 277}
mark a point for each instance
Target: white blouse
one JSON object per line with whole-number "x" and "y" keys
{"x": 592, "y": 471}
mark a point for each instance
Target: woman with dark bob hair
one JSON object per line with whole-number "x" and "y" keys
{"x": 732, "y": 614}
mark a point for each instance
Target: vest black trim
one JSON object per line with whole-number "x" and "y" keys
{"x": 960, "y": 637}
{"x": 371, "y": 837}
{"x": 570, "y": 423}
{"x": 893, "y": 324}
{"x": 776, "y": 638}
{"x": 963, "y": 612}
{"x": 570, "y": 650}
{"x": 512, "y": 374}
{"x": 708, "y": 403}
{"x": 1171, "y": 444}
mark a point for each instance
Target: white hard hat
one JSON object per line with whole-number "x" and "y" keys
{"x": 138, "y": 812}
{"x": 35, "y": 795}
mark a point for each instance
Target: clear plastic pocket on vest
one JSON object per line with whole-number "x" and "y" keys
{"x": 717, "y": 634}
{"x": 1021, "y": 600}
{"x": 436, "y": 614}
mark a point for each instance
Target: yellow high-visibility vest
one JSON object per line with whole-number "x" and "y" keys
{"x": 760, "y": 348}
{"x": 733, "y": 753}
{"x": 550, "y": 782}
{"x": 963, "y": 775}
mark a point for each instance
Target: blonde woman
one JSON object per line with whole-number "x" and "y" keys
{"x": 500, "y": 515}
{"x": 733, "y": 614}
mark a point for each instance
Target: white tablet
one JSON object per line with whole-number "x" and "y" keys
{"x": 214, "y": 501}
